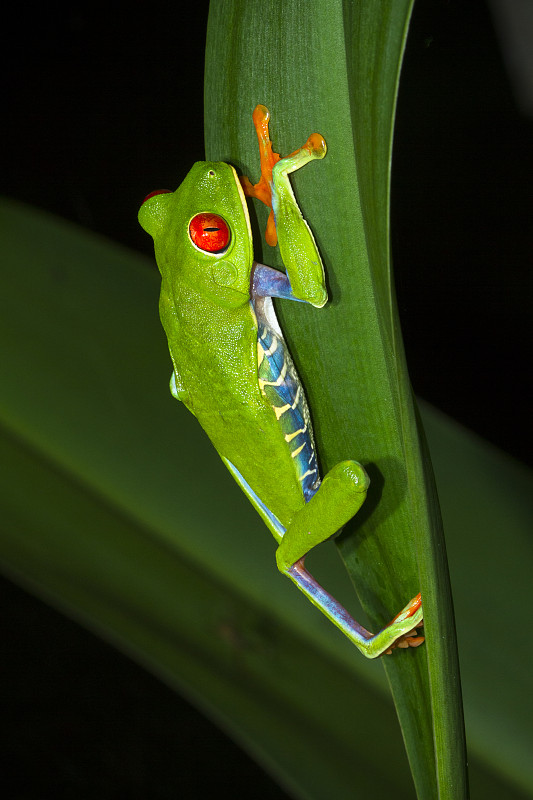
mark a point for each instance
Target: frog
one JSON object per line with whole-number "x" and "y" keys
{"x": 232, "y": 368}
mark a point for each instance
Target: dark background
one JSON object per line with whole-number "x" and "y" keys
{"x": 102, "y": 105}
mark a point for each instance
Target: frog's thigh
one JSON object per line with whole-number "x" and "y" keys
{"x": 340, "y": 496}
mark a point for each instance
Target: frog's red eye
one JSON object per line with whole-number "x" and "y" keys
{"x": 209, "y": 233}
{"x": 157, "y": 191}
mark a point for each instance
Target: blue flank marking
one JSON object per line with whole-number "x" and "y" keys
{"x": 294, "y": 418}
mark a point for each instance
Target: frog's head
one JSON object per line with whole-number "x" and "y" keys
{"x": 202, "y": 234}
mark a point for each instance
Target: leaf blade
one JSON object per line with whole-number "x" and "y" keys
{"x": 321, "y": 73}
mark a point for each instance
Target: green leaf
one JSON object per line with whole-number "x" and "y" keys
{"x": 333, "y": 68}
{"x": 104, "y": 514}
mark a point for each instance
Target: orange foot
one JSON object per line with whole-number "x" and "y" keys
{"x": 410, "y": 639}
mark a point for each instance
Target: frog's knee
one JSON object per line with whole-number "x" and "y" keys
{"x": 343, "y": 492}
{"x": 351, "y": 475}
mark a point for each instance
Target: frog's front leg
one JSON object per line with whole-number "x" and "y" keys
{"x": 286, "y": 224}
{"x": 339, "y": 497}
{"x": 297, "y": 244}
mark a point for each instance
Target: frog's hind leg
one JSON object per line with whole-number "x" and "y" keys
{"x": 401, "y": 632}
{"x": 339, "y": 497}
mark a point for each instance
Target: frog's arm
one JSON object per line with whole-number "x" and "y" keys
{"x": 268, "y": 282}
{"x": 285, "y": 223}
{"x": 177, "y": 389}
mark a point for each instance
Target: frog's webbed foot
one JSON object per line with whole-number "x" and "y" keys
{"x": 413, "y": 610}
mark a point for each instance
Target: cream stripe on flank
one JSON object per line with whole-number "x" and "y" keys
{"x": 309, "y": 472}
{"x": 279, "y": 380}
{"x": 279, "y": 410}
{"x": 290, "y": 436}
{"x": 298, "y": 450}
{"x": 273, "y": 347}
{"x": 297, "y": 398}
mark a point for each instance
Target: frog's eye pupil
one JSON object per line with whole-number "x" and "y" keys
{"x": 209, "y": 232}
{"x": 153, "y": 194}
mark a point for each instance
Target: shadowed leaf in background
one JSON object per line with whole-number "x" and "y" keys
{"x": 104, "y": 515}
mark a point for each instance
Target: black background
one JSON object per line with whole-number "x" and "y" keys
{"x": 100, "y": 106}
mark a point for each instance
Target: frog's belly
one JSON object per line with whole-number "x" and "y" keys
{"x": 251, "y": 440}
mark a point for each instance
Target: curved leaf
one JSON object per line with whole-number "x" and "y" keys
{"x": 333, "y": 68}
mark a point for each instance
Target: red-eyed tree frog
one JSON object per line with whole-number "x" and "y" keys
{"x": 232, "y": 369}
